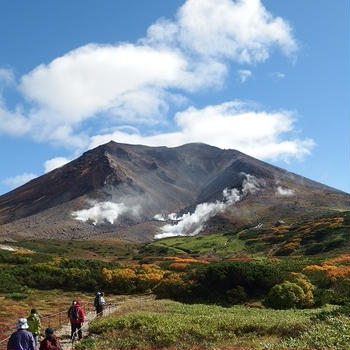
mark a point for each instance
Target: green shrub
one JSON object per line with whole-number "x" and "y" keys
{"x": 236, "y": 295}
{"x": 86, "y": 344}
{"x": 16, "y": 296}
{"x": 285, "y": 296}
{"x": 8, "y": 281}
{"x": 331, "y": 334}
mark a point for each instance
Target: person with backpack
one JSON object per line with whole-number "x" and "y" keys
{"x": 76, "y": 317}
{"x": 99, "y": 303}
{"x": 21, "y": 339}
{"x": 50, "y": 341}
{"x": 34, "y": 325}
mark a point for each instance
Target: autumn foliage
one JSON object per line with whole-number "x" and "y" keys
{"x": 334, "y": 269}
{"x": 127, "y": 279}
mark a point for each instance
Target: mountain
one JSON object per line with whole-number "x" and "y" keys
{"x": 139, "y": 182}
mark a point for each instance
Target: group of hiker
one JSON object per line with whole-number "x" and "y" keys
{"x": 27, "y": 335}
{"x": 28, "y": 329}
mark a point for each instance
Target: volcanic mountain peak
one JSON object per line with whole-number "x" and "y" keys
{"x": 127, "y": 185}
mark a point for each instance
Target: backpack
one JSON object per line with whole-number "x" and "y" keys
{"x": 73, "y": 313}
{"x": 97, "y": 301}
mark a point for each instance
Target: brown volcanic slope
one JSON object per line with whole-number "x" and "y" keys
{"x": 158, "y": 179}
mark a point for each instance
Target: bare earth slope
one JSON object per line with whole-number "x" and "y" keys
{"x": 156, "y": 179}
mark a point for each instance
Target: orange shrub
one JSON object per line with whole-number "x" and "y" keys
{"x": 188, "y": 260}
{"x": 23, "y": 252}
{"x": 332, "y": 268}
{"x": 290, "y": 245}
{"x": 280, "y": 230}
{"x": 178, "y": 266}
{"x": 313, "y": 268}
{"x": 344, "y": 258}
{"x": 339, "y": 220}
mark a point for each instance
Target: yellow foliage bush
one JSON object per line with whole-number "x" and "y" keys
{"x": 178, "y": 266}
{"x": 290, "y": 245}
{"x": 23, "y": 252}
{"x": 302, "y": 281}
{"x": 188, "y": 260}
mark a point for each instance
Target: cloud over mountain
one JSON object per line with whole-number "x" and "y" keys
{"x": 137, "y": 83}
{"x": 233, "y": 124}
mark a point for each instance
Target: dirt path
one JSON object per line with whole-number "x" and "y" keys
{"x": 63, "y": 333}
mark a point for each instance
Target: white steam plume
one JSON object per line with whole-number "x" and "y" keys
{"x": 171, "y": 216}
{"x": 284, "y": 191}
{"x": 192, "y": 224}
{"x": 159, "y": 217}
{"x": 105, "y": 211}
{"x": 251, "y": 184}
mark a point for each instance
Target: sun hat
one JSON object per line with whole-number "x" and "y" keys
{"x": 22, "y": 323}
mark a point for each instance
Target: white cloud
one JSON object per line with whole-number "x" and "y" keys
{"x": 6, "y": 77}
{"x": 55, "y": 163}
{"x": 139, "y": 83}
{"x": 13, "y": 123}
{"x": 277, "y": 75}
{"x": 125, "y": 83}
{"x": 242, "y": 31}
{"x": 96, "y": 78}
{"x": 19, "y": 180}
{"x": 232, "y": 125}
{"x": 243, "y": 75}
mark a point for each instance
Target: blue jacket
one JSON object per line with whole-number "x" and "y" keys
{"x": 21, "y": 340}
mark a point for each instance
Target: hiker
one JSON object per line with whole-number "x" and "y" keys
{"x": 76, "y": 317}
{"x": 99, "y": 303}
{"x": 34, "y": 325}
{"x": 21, "y": 339}
{"x": 50, "y": 341}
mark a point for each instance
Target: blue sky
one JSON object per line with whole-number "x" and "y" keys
{"x": 269, "y": 78}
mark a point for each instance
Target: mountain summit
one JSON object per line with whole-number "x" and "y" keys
{"x": 119, "y": 189}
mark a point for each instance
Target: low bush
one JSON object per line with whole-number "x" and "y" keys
{"x": 172, "y": 325}
{"x": 331, "y": 334}
{"x": 285, "y": 296}
{"x": 17, "y": 296}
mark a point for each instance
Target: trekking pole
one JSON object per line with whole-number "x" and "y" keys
{"x": 3, "y": 345}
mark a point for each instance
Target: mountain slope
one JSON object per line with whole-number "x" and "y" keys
{"x": 145, "y": 181}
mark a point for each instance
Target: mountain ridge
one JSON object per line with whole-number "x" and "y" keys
{"x": 159, "y": 180}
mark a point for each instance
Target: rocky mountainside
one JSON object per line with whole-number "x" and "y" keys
{"x": 117, "y": 189}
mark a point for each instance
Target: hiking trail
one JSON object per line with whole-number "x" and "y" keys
{"x": 63, "y": 333}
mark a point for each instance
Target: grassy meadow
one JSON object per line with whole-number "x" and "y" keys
{"x": 280, "y": 287}
{"x": 145, "y": 323}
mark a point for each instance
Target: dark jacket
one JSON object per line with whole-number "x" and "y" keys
{"x": 81, "y": 315}
{"x": 21, "y": 340}
{"x": 50, "y": 343}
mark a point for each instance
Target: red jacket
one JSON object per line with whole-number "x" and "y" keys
{"x": 50, "y": 343}
{"x": 81, "y": 315}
